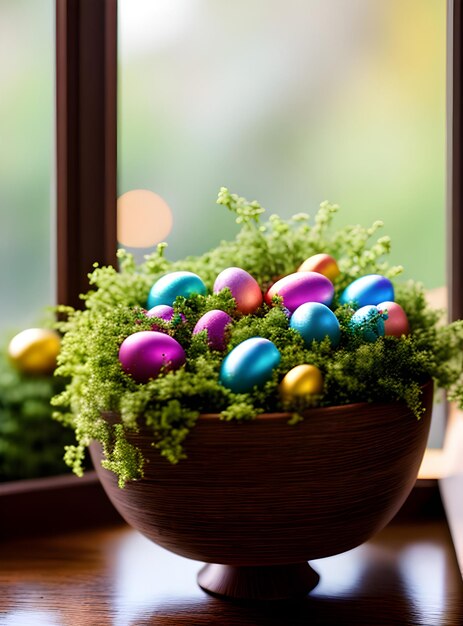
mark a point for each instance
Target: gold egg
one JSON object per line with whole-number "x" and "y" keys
{"x": 34, "y": 351}
{"x": 302, "y": 380}
{"x": 321, "y": 263}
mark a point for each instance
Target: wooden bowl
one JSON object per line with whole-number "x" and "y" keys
{"x": 257, "y": 500}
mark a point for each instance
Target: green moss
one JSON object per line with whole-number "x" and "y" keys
{"x": 31, "y": 444}
{"x": 386, "y": 370}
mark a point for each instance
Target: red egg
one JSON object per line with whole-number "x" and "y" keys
{"x": 244, "y": 288}
{"x": 396, "y": 323}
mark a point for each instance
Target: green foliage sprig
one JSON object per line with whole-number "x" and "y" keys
{"x": 386, "y": 370}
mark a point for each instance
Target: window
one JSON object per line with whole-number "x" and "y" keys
{"x": 86, "y": 199}
{"x": 291, "y": 104}
{"x": 26, "y": 162}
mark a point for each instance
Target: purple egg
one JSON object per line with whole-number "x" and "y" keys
{"x": 143, "y": 354}
{"x": 301, "y": 287}
{"x": 166, "y": 313}
{"x": 163, "y": 311}
{"x": 214, "y": 322}
{"x": 244, "y": 288}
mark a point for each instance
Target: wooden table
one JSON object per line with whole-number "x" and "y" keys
{"x": 408, "y": 574}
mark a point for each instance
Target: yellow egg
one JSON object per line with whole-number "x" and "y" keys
{"x": 34, "y": 351}
{"x": 302, "y": 380}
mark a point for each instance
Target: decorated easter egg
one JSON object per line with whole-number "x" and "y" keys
{"x": 162, "y": 311}
{"x": 368, "y": 322}
{"x": 145, "y": 353}
{"x": 244, "y": 288}
{"x": 34, "y": 351}
{"x": 301, "y": 381}
{"x": 315, "y": 321}
{"x": 214, "y": 323}
{"x": 397, "y": 320}
{"x": 369, "y": 289}
{"x": 300, "y": 287}
{"x": 321, "y": 263}
{"x": 169, "y": 286}
{"x": 166, "y": 313}
{"x": 250, "y": 363}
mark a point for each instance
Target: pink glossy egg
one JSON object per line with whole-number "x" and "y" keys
{"x": 397, "y": 321}
{"x": 301, "y": 287}
{"x": 244, "y": 288}
{"x": 144, "y": 354}
{"x": 215, "y": 323}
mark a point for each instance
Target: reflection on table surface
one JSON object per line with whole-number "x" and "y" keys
{"x": 406, "y": 575}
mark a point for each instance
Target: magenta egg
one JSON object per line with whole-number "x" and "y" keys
{"x": 397, "y": 321}
{"x": 301, "y": 287}
{"x": 244, "y": 288}
{"x": 215, "y": 323}
{"x": 144, "y": 354}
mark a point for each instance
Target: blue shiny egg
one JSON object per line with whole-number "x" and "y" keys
{"x": 368, "y": 322}
{"x": 249, "y": 364}
{"x": 169, "y": 286}
{"x": 315, "y": 321}
{"x": 369, "y": 289}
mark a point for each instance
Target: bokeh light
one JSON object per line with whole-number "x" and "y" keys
{"x": 143, "y": 219}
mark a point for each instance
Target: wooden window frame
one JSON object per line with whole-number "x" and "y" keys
{"x": 451, "y": 482}
{"x": 86, "y": 141}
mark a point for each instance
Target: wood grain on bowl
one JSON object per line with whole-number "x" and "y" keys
{"x": 267, "y": 493}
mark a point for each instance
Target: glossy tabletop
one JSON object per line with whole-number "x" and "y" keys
{"x": 408, "y": 574}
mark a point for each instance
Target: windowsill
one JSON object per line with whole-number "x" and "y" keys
{"x": 112, "y": 574}
{"x": 448, "y": 460}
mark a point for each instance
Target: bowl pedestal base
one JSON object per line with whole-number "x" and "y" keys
{"x": 271, "y": 582}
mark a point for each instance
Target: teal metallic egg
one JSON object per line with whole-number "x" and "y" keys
{"x": 249, "y": 364}
{"x": 368, "y": 322}
{"x": 169, "y": 286}
{"x": 315, "y": 321}
{"x": 369, "y": 289}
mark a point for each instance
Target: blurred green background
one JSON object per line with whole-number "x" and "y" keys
{"x": 289, "y": 102}
{"x": 26, "y": 161}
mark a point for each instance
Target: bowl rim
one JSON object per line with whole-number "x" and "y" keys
{"x": 306, "y": 413}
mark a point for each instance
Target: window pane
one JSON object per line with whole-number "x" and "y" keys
{"x": 26, "y": 161}
{"x": 291, "y": 103}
